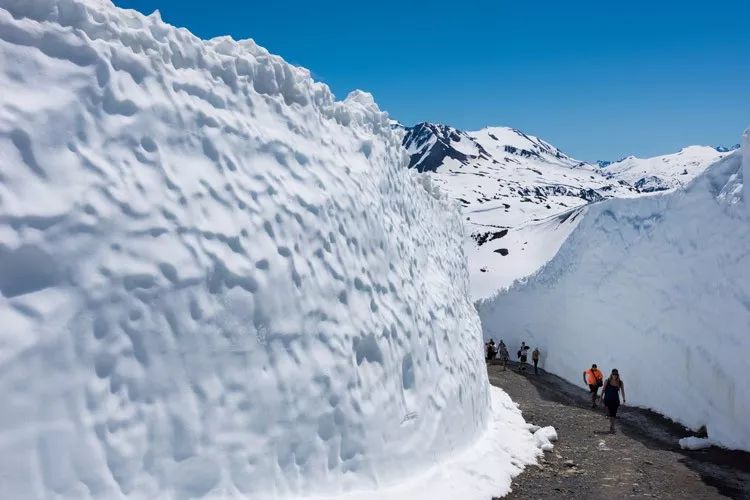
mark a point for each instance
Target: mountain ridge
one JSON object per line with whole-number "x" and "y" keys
{"x": 521, "y": 196}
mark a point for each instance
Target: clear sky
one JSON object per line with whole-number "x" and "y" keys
{"x": 599, "y": 79}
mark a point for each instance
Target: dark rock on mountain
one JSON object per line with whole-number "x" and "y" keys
{"x": 433, "y": 143}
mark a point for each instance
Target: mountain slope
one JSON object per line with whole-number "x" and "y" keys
{"x": 515, "y": 190}
{"x": 521, "y": 196}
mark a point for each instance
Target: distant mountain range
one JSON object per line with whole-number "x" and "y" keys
{"x": 520, "y": 194}
{"x": 665, "y": 172}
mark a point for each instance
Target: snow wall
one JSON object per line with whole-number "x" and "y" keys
{"x": 216, "y": 279}
{"x": 658, "y": 287}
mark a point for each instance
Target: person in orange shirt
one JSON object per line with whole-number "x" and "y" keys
{"x": 594, "y": 378}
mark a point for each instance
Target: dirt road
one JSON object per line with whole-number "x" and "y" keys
{"x": 642, "y": 460}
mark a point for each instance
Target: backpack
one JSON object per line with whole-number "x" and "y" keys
{"x": 519, "y": 353}
{"x": 598, "y": 381}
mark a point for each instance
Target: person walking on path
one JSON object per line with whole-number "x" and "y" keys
{"x": 502, "y": 351}
{"x": 520, "y": 351}
{"x": 611, "y": 397}
{"x": 593, "y": 377}
{"x": 535, "y": 359}
{"x": 523, "y": 354}
{"x": 491, "y": 352}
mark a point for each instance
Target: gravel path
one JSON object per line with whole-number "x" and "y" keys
{"x": 642, "y": 460}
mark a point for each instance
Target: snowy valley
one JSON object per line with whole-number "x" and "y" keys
{"x": 521, "y": 196}
{"x": 657, "y": 287}
{"x": 218, "y": 280}
{"x": 634, "y": 263}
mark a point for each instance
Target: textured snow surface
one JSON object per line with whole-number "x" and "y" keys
{"x": 483, "y": 472}
{"x": 217, "y": 280}
{"x": 658, "y": 287}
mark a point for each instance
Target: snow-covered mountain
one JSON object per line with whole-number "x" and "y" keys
{"x": 658, "y": 287}
{"x": 217, "y": 280}
{"x": 661, "y": 173}
{"x": 429, "y": 145}
{"x": 520, "y": 195}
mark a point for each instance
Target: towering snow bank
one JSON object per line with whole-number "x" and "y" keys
{"x": 658, "y": 287}
{"x": 215, "y": 278}
{"x": 746, "y": 166}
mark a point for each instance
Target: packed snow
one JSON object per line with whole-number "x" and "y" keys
{"x": 219, "y": 281}
{"x": 694, "y": 443}
{"x": 545, "y": 436}
{"x": 480, "y": 473}
{"x": 658, "y": 287}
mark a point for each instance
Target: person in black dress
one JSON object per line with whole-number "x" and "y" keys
{"x": 611, "y": 396}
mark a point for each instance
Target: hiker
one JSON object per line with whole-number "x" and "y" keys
{"x": 535, "y": 359}
{"x": 593, "y": 377}
{"x": 502, "y": 350}
{"x": 523, "y": 355}
{"x": 611, "y": 397}
{"x": 490, "y": 350}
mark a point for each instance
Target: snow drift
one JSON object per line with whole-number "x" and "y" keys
{"x": 217, "y": 280}
{"x": 658, "y": 287}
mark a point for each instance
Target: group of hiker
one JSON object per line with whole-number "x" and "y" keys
{"x": 593, "y": 377}
{"x": 611, "y": 389}
{"x": 501, "y": 351}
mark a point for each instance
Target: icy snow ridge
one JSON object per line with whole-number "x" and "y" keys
{"x": 658, "y": 287}
{"x": 216, "y": 279}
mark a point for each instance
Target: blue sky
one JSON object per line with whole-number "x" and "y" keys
{"x": 599, "y": 79}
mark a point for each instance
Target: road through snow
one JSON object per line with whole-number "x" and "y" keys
{"x": 643, "y": 459}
